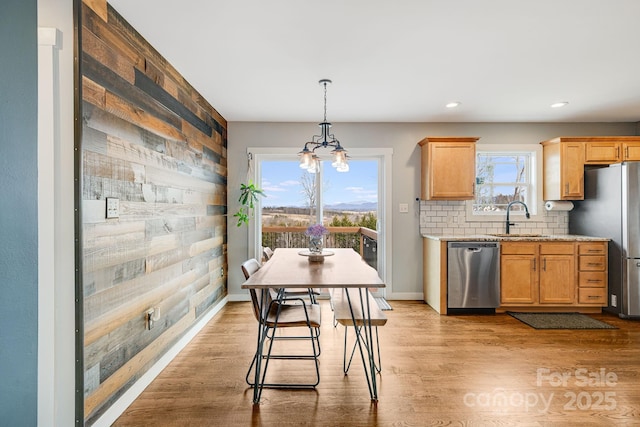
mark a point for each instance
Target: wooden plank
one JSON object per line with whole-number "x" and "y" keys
{"x": 133, "y": 114}
{"x": 93, "y": 93}
{"x": 343, "y": 310}
{"x": 93, "y": 47}
{"x": 112, "y": 234}
{"x": 148, "y": 86}
{"x": 136, "y": 364}
{"x": 108, "y": 310}
{"x": 99, "y": 7}
{"x": 93, "y": 69}
{"x": 104, "y": 31}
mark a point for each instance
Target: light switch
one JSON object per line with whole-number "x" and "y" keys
{"x": 113, "y": 207}
{"x": 404, "y": 207}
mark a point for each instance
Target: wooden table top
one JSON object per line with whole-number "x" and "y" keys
{"x": 288, "y": 269}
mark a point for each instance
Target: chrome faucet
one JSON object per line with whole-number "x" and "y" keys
{"x": 526, "y": 210}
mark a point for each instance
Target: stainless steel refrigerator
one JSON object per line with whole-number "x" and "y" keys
{"x": 611, "y": 208}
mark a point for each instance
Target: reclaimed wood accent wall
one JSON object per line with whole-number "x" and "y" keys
{"x": 151, "y": 141}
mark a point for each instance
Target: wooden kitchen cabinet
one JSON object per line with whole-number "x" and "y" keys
{"x": 609, "y": 150}
{"x": 563, "y": 165}
{"x": 448, "y": 168}
{"x": 557, "y": 273}
{"x": 631, "y": 151}
{"x": 592, "y": 273}
{"x": 537, "y": 273}
{"x": 518, "y": 273}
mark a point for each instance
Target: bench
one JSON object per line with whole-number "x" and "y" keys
{"x": 342, "y": 315}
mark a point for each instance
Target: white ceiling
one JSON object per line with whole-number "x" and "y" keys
{"x": 402, "y": 60}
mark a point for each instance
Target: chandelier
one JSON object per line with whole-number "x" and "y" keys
{"x": 308, "y": 158}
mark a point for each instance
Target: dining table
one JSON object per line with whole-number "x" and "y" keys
{"x": 292, "y": 268}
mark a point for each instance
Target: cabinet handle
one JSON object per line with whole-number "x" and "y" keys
{"x": 594, "y": 250}
{"x": 566, "y": 188}
{"x": 594, "y": 280}
{"x": 594, "y": 263}
{"x": 593, "y": 297}
{"x": 534, "y": 264}
{"x": 544, "y": 264}
{"x": 626, "y": 153}
{"x": 617, "y": 152}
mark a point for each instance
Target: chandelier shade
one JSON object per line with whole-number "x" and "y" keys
{"x": 309, "y": 160}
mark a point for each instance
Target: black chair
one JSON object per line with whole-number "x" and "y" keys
{"x": 273, "y": 314}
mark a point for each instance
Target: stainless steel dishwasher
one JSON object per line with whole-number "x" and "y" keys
{"x": 473, "y": 275}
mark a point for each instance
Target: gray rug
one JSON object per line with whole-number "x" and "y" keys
{"x": 383, "y": 304}
{"x": 560, "y": 321}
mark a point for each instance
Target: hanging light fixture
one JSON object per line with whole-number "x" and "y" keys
{"x": 308, "y": 158}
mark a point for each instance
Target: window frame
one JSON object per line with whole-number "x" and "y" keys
{"x": 385, "y": 212}
{"x": 537, "y": 205}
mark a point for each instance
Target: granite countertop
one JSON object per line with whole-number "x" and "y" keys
{"x": 517, "y": 238}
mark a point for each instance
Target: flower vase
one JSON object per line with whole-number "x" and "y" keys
{"x": 315, "y": 245}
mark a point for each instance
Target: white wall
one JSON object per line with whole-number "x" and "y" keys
{"x": 58, "y": 280}
{"x": 406, "y": 244}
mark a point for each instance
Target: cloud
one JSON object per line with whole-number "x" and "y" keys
{"x": 281, "y": 187}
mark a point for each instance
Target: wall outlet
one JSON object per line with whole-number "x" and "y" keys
{"x": 113, "y": 207}
{"x": 403, "y": 207}
{"x": 614, "y": 301}
{"x": 150, "y": 318}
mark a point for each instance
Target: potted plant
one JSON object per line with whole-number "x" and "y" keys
{"x": 248, "y": 199}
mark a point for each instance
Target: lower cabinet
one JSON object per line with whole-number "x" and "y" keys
{"x": 539, "y": 274}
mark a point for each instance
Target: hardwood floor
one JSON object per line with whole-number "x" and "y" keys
{"x": 437, "y": 370}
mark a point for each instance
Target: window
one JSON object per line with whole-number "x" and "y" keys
{"x": 504, "y": 176}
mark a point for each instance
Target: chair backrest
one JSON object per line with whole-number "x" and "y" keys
{"x": 267, "y": 252}
{"x": 249, "y": 267}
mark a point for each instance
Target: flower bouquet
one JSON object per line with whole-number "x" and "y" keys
{"x": 315, "y": 233}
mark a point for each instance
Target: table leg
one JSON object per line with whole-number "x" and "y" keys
{"x": 366, "y": 341}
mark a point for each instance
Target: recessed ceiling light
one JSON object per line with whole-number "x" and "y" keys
{"x": 453, "y": 104}
{"x": 559, "y": 104}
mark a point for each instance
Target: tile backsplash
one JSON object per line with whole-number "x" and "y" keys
{"x": 439, "y": 218}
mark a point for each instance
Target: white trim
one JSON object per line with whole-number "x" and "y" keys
{"x": 119, "y": 406}
{"x": 405, "y": 296}
{"x": 384, "y": 199}
{"x": 537, "y": 211}
{"x": 48, "y": 140}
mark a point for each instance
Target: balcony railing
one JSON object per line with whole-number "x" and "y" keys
{"x": 361, "y": 239}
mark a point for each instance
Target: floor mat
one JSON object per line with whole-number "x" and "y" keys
{"x": 560, "y": 321}
{"x": 383, "y": 304}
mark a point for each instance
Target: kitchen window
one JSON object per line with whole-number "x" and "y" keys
{"x": 504, "y": 175}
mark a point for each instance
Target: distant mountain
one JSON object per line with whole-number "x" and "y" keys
{"x": 356, "y": 206}
{"x": 352, "y": 207}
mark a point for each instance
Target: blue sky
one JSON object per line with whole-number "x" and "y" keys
{"x": 281, "y": 183}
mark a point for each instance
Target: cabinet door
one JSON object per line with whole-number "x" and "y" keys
{"x": 518, "y": 279}
{"x": 557, "y": 279}
{"x": 602, "y": 153}
{"x": 572, "y": 171}
{"x": 451, "y": 171}
{"x": 631, "y": 151}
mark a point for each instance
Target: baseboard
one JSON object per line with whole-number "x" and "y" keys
{"x": 406, "y": 296}
{"x": 120, "y": 405}
{"x": 238, "y": 297}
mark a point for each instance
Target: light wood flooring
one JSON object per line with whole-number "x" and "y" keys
{"x": 484, "y": 370}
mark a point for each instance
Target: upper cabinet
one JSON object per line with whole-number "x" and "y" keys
{"x": 448, "y": 167}
{"x": 609, "y": 150}
{"x": 566, "y": 157}
{"x": 563, "y": 165}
